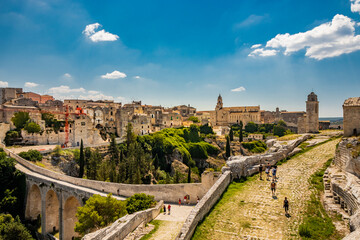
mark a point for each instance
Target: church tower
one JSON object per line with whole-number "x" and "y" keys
{"x": 312, "y": 113}
{"x": 219, "y": 104}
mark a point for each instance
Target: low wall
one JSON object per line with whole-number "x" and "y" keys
{"x": 125, "y": 225}
{"x": 204, "y": 206}
{"x": 242, "y": 166}
{"x": 167, "y": 192}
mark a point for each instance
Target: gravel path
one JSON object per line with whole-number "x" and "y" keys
{"x": 252, "y": 212}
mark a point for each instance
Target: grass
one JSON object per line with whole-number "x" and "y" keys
{"x": 316, "y": 223}
{"x": 203, "y": 229}
{"x": 40, "y": 164}
{"x": 288, "y": 137}
{"x": 304, "y": 148}
{"x": 156, "y": 223}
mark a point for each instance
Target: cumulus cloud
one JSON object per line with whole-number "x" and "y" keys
{"x": 98, "y": 36}
{"x": 262, "y": 52}
{"x": 67, "y": 75}
{"x": 137, "y": 77}
{"x": 30, "y": 84}
{"x": 256, "y": 46}
{"x": 355, "y": 5}
{"x": 239, "y": 89}
{"x": 4, "y": 84}
{"x": 114, "y": 75}
{"x": 66, "y": 89}
{"x": 327, "y": 40}
{"x": 65, "y": 92}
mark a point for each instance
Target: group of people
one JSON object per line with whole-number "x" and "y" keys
{"x": 272, "y": 170}
{"x": 169, "y": 208}
{"x": 187, "y": 200}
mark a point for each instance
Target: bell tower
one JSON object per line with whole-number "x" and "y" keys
{"x": 219, "y": 104}
{"x": 312, "y": 113}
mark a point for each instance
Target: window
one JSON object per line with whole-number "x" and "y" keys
{"x": 83, "y": 123}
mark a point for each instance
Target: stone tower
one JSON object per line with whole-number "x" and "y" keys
{"x": 219, "y": 104}
{"x": 312, "y": 113}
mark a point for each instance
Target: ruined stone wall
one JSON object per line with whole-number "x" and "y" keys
{"x": 351, "y": 120}
{"x": 347, "y": 156}
{"x": 242, "y": 166}
{"x": 125, "y": 225}
{"x": 203, "y": 207}
{"x": 4, "y": 127}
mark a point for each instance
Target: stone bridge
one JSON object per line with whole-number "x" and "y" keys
{"x": 56, "y": 197}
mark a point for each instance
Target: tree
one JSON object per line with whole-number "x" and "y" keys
{"x": 31, "y": 155}
{"x": 114, "y": 150}
{"x": 139, "y": 202}
{"x": 12, "y": 229}
{"x": 93, "y": 163}
{"x": 20, "y": 119}
{"x": 98, "y": 212}
{"x": 279, "y": 130}
{"x": 231, "y": 134}
{"x": 32, "y": 127}
{"x": 130, "y": 136}
{"x": 206, "y": 129}
{"x": 251, "y": 127}
{"x": 227, "y": 148}
{"x": 189, "y": 175}
{"x": 241, "y": 132}
{"x": 12, "y": 137}
{"x": 194, "y": 119}
{"x": 81, "y": 160}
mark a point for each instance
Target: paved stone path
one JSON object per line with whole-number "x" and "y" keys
{"x": 252, "y": 212}
{"x": 171, "y": 224}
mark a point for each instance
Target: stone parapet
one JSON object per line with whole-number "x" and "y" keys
{"x": 204, "y": 206}
{"x": 125, "y": 225}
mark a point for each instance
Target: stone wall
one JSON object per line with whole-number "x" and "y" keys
{"x": 4, "y": 127}
{"x": 167, "y": 192}
{"x": 242, "y": 166}
{"x": 125, "y": 225}
{"x": 204, "y": 206}
{"x": 346, "y": 156}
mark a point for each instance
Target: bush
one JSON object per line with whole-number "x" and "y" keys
{"x": 304, "y": 231}
{"x": 12, "y": 137}
{"x": 12, "y": 229}
{"x": 255, "y": 146}
{"x": 194, "y": 119}
{"x": 31, "y": 155}
{"x": 251, "y": 127}
{"x": 139, "y": 202}
{"x": 32, "y": 127}
{"x": 197, "y": 151}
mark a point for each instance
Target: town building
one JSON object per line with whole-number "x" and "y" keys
{"x": 351, "y": 111}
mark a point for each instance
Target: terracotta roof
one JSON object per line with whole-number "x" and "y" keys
{"x": 355, "y": 101}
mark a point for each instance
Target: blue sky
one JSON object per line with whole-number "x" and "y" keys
{"x": 185, "y": 52}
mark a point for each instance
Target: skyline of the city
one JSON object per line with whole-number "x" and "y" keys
{"x": 271, "y": 54}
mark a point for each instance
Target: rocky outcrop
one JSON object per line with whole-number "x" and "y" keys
{"x": 242, "y": 166}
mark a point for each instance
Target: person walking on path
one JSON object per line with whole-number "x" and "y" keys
{"x": 169, "y": 208}
{"x": 179, "y": 201}
{"x": 185, "y": 199}
{"x": 260, "y": 170}
{"x": 286, "y": 206}
{"x": 164, "y": 209}
{"x": 274, "y": 173}
{"x": 188, "y": 199}
{"x": 273, "y": 187}
{"x": 267, "y": 171}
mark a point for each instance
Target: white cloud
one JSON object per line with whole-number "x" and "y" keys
{"x": 93, "y": 92}
{"x": 67, "y": 75}
{"x": 355, "y": 5}
{"x": 137, "y": 77}
{"x": 90, "y": 29}
{"x": 30, "y": 84}
{"x": 327, "y": 40}
{"x": 114, "y": 75}
{"x": 256, "y": 46}
{"x": 98, "y": 36}
{"x": 263, "y": 52}
{"x": 239, "y": 89}
{"x": 251, "y": 21}
{"x": 65, "y": 89}
{"x": 4, "y": 84}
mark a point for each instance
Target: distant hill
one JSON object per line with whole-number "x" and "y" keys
{"x": 334, "y": 121}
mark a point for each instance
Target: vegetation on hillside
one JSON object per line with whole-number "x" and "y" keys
{"x": 99, "y": 212}
{"x": 255, "y": 146}
{"x": 31, "y": 155}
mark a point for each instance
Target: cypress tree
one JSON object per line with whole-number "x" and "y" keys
{"x": 231, "y": 134}
{"x": 241, "y": 132}
{"x": 81, "y": 160}
{"x": 189, "y": 175}
{"x": 227, "y": 149}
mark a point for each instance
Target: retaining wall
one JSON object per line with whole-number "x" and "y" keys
{"x": 204, "y": 206}
{"x": 125, "y": 225}
{"x": 167, "y": 192}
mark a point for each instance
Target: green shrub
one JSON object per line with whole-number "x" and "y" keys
{"x": 139, "y": 202}
{"x": 31, "y": 155}
{"x": 255, "y": 146}
{"x": 304, "y": 231}
{"x": 12, "y": 137}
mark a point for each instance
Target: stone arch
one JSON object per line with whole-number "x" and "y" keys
{"x": 52, "y": 206}
{"x": 69, "y": 217}
{"x": 33, "y": 203}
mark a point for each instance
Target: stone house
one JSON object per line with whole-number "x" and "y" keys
{"x": 351, "y": 111}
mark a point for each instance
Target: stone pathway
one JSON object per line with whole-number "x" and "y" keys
{"x": 252, "y": 212}
{"x": 170, "y": 225}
